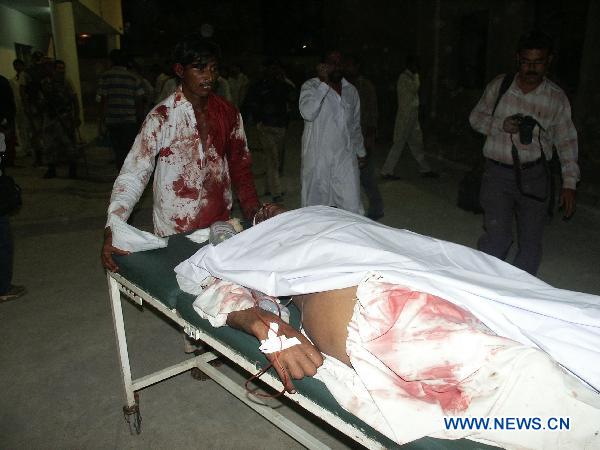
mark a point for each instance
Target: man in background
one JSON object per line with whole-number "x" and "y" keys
{"x": 23, "y": 130}
{"x": 407, "y": 129}
{"x": 267, "y": 102}
{"x": 120, "y": 96}
{"x": 332, "y": 142}
{"x": 238, "y": 85}
{"x": 60, "y": 112}
{"x": 368, "y": 125}
{"x": 31, "y": 96}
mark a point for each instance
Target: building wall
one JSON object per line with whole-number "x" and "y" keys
{"x": 21, "y": 29}
{"x": 108, "y": 10}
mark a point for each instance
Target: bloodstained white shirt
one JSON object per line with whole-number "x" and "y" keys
{"x": 192, "y": 184}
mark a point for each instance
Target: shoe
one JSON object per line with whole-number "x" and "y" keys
{"x": 375, "y": 216}
{"x": 390, "y": 177}
{"x": 430, "y": 174}
{"x": 13, "y": 293}
{"x": 50, "y": 173}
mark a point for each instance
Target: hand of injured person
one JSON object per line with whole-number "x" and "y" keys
{"x": 295, "y": 362}
{"x": 267, "y": 211}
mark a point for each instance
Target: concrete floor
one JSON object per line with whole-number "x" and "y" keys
{"x": 60, "y": 379}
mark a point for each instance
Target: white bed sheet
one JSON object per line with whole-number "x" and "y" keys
{"x": 320, "y": 248}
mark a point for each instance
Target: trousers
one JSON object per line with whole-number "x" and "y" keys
{"x": 502, "y": 202}
{"x": 272, "y": 139}
{"x": 59, "y": 140}
{"x": 368, "y": 181}
{"x": 406, "y": 131}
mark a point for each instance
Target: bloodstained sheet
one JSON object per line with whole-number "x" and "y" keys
{"x": 422, "y": 341}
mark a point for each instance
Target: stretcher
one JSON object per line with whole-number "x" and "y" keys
{"x": 148, "y": 277}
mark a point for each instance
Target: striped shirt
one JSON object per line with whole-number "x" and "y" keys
{"x": 549, "y": 105}
{"x": 119, "y": 88}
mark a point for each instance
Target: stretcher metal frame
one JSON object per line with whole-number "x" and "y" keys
{"x": 120, "y": 285}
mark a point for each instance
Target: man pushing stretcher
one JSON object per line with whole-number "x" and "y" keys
{"x": 407, "y": 330}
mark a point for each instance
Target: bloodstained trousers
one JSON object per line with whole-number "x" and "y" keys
{"x": 501, "y": 200}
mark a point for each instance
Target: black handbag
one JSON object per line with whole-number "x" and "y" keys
{"x": 10, "y": 195}
{"x": 468, "y": 190}
{"x": 470, "y": 185}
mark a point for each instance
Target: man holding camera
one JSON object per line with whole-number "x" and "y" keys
{"x": 522, "y": 122}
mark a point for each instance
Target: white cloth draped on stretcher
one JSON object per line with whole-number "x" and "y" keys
{"x": 416, "y": 358}
{"x": 319, "y": 248}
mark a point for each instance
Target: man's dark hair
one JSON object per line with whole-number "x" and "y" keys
{"x": 18, "y": 61}
{"x": 535, "y": 39}
{"x": 117, "y": 57}
{"x": 195, "y": 48}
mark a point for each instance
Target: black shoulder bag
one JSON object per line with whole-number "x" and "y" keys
{"x": 470, "y": 185}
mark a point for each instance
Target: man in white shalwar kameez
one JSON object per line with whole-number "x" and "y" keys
{"x": 407, "y": 129}
{"x": 332, "y": 143}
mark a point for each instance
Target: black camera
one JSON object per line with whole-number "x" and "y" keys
{"x": 526, "y": 126}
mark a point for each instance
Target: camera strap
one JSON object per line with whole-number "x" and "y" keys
{"x": 549, "y": 177}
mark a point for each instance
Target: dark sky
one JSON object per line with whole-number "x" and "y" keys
{"x": 270, "y": 27}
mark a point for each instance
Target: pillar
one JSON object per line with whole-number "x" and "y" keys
{"x": 65, "y": 45}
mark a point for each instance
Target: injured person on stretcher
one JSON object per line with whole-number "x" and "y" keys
{"x": 407, "y": 330}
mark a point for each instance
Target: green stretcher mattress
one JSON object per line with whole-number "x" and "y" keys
{"x": 152, "y": 271}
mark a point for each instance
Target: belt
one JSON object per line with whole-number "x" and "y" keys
{"x": 526, "y": 165}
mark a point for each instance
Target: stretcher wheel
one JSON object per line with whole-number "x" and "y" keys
{"x": 132, "y": 416}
